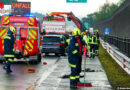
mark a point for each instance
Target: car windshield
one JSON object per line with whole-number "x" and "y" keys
{"x": 51, "y": 39}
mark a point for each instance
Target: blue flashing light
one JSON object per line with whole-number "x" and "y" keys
{"x": 8, "y": 14}
{"x": 30, "y": 15}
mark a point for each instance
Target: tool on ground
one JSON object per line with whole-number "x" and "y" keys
{"x": 44, "y": 63}
{"x": 84, "y": 84}
{"x": 67, "y": 76}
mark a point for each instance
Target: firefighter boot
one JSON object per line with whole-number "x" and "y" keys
{"x": 74, "y": 86}
{"x": 77, "y": 81}
{"x": 7, "y": 67}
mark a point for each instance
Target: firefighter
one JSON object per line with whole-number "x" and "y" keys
{"x": 75, "y": 57}
{"x": 98, "y": 42}
{"x": 9, "y": 41}
{"x": 93, "y": 45}
{"x": 86, "y": 39}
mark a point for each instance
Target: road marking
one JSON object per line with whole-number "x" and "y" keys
{"x": 42, "y": 78}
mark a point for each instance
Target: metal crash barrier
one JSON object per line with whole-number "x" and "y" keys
{"x": 120, "y": 58}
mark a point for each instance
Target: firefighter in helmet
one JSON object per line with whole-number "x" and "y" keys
{"x": 75, "y": 57}
{"x": 98, "y": 42}
{"x": 93, "y": 44}
{"x": 86, "y": 39}
{"x": 9, "y": 41}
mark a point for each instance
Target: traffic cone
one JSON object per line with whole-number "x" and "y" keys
{"x": 44, "y": 63}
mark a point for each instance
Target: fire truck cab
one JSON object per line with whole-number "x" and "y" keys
{"x": 28, "y": 36}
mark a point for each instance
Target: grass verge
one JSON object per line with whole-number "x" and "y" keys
{"x": 116, "y": 75}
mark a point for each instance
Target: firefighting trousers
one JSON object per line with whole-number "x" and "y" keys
{"x": 97, "y": 48}
{"x": 75, "y": 71}
{"x": 8, "y": 61}
{"x": 93, "y": 48}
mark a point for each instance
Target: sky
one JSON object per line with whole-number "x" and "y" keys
{"x": 79, "y": 9}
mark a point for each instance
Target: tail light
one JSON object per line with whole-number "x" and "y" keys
{"x": 59, "y": 44}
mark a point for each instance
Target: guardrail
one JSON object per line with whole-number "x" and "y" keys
{"x": 120, "y": 58}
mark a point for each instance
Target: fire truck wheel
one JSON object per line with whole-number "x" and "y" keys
{"x": 39, "y": 57}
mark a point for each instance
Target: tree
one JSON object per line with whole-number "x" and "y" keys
{"x": 104, "y": 12}
{"x": 89, "y": 20}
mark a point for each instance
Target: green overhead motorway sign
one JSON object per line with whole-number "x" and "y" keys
{"x": 76, "y": 1}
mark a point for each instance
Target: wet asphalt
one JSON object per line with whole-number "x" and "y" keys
{"x": 48, "y": 73}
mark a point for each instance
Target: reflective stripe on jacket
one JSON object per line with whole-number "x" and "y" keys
{"x": 9, "y": 41}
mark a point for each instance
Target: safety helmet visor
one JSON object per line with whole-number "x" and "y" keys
{"x": 76, "y": 32}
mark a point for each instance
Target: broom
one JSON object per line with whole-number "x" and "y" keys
{"x": 84, "y": 84}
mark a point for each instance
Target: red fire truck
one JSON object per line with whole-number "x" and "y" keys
{"x": 28, "y": 35}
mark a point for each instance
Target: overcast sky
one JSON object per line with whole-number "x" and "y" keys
{"x": 79, "y": 9}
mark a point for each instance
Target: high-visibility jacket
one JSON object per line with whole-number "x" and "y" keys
{"x": 9, "y": 41}
{"x": 93, "y": 39}
{"x": 68, "y": 41}
{"x": 86, "y": 39}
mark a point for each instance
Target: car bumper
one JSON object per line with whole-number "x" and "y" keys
{"x": 51, "y": 50}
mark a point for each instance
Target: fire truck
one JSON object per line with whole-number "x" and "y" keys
{"x": 59, "y": 17}
{"x": 28, "y": 36}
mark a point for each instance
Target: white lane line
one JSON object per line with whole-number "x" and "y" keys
{"x": 46, "y": 74}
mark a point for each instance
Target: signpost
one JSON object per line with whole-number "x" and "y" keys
{"x": 76, "y": 1}
{"x": 21, "y": 8}
{"x": 86, "y": 25}
{"x": 91, "y": 30}
{"x": 106, "y": 31}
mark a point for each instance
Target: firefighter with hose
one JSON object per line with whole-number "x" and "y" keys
{"x": 9, "y": 41}
{"x": 75, "y": 57}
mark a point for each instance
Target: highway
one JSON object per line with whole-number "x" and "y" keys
{"x": 48, "y": 76}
